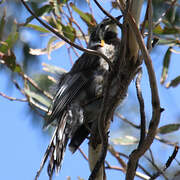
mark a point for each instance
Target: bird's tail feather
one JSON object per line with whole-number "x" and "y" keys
{"x": 58, "y": 147}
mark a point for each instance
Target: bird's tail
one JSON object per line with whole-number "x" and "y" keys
{"x": 57, "y": 147}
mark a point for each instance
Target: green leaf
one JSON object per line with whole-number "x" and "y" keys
{"x": 169, "y": 41}
{"x": 166, "y": 30}
{"x": 69, "y": 32}
{"x": 174, "y": 82}
{"x": 18, "y": 68}
{"x": 8, "y": 44}
{"x": 2, "y": 24}
{"x": 11, "y": 39}
{"x": 166, "y": 62}
{"x": 53, "y": 69}
{"x": 158, "y": 30}
{"x": 51, "y": 21}
{"x": 37, "y": 97}
{"x": 37, "y": 28}
{"x": 86, "y": 17}
{"x": 49, "y": 46}
{"x": 173, "y": 30}
{"x": 168, "y": 128}
{"x": 125, "y": 140}
{"x": 39, "y": 12}
{"x": 10, "y": 61}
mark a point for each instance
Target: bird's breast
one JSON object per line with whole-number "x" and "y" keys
{"x": 109, "y": 51}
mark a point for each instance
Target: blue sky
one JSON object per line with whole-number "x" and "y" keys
{"x": 23, "y": 144}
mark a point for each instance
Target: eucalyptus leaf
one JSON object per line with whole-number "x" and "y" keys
{"x": 53, "y": 69}
{"x": 166, "y": 62}
{"x": 175, "y": 82}
{"x": 169, "y": 128}
{"x": 86, "y": 17}
{"x": 125, "y": 140}
{"x": 69, "y": 32}
{"x": 37, "y": 28}
{"x": 37, "y": 97}
{"x": 39, "y": 12}
{"x": 49, "y": 46}
{"x": 2, "y": 24}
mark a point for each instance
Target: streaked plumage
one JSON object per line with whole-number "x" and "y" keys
{"x": 79, "y": 94}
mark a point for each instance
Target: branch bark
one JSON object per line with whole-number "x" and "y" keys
{"x": 136, "y": 154}
{"x": 119, "y": 79}
{"x": 135, "y": 10}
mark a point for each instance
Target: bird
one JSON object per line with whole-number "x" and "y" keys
{"x": 77, "y": 101}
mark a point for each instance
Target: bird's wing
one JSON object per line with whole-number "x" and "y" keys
{"x": 71, "y": 84}
{"x": 68, "y": 89}
{"x": 85, "y": 62}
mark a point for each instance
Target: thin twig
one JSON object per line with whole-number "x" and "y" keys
{"x": 139, "y": 165}
{"x": 107, "y": 14}
{"x": 164, "y": 14}
{"x": 116, "y": 155}
{"x": 12, "y": 98}
{"x": 83, "y": 154}
{"x": 167, "y": 142}
{"x": 151, "y": 154}
{"x": 89, "y": 51}
{"x": 90, "y": 7}
{"x": 143, "y": 24}
{"x": 70, "y": 56}
{"x": 126, "y": 120}
{"x": 72, "y": 20}
{"x": 157, "y": 168}
{"x": 171, "y": 158}
{"x": 138, "y": 174}
{"x": 25, "y": 77}
{"x": 37, "y": 105}
{"x": 168, "y": 163}
{"x": 150, "y": 26}
{"x": 75, "y": 52}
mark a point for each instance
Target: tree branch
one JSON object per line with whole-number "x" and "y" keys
{"x": 141, "y": 103}
{"x": 12, "y": 98}
{"x": 135, "y": 155}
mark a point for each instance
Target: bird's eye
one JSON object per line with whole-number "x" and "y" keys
{"x": 109, "y": 35}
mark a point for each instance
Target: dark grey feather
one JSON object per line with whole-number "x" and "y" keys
{"x": 76, "y": 104}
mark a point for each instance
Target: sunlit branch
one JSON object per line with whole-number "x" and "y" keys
{"x": 12, "y": 98}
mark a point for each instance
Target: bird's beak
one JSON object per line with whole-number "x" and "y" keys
{"x": 102, "y": 43}
{"x": 97, "y": 44}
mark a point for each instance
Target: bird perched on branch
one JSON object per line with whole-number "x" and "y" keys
{"x": 77, "y": 102}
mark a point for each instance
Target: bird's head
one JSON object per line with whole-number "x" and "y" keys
{"x": 104, "y": 32}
